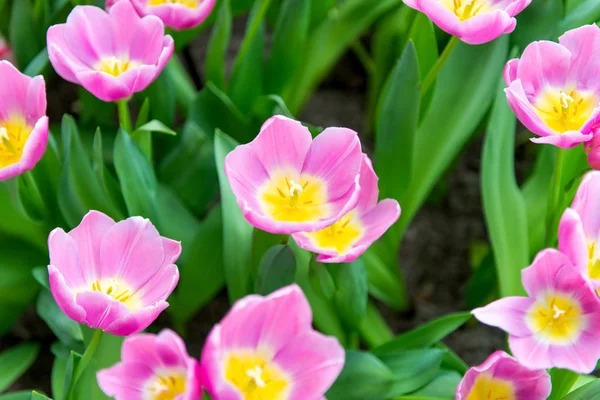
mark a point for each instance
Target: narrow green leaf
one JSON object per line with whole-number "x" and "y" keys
{"x": 539, "y": 21}
{"x": 217, "y": 47}
{"x": 586, "y": 392}
{"x": 15, "y": 361}
{"x": 586, "y": 12}
{"x": 67, "y": 330}
{"x": 261, "y": 243}
{"x": 38, "y": 65}
{"x": 156, "y": 126}
{"x": 503, "y": 203}
{"x": 426, "y": 335}
{"x": 38, "y": 396}
{"x": 374, "y": 329}
{"x": 237, "y": 232}
{"x": 24, "y": 33}
{"x": 143, "y": 114}
{"x": 562, "y": 382}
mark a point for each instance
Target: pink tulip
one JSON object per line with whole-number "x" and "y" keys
{"x": 113, "y": 55}
{"x": 152, "y": 367}
{"x": 558, "y": 325}
{"x": 23, "y": 121}
{"x": 176, "y": 14}
{"x": 502, "y": 377}
{"x": 355, "y": 232}
{"x": 285, "y": 182}
{"x": 554, "y": 89}
{"x": 5, "y": 50}
{"x": 110, "y": 3}
{"x": 473, "y": 21}
{"x": 265, "y": 348}
{"x": 112, "y": 276}
{"x": 579, "y": 229}
{"x": 592, "y": 149}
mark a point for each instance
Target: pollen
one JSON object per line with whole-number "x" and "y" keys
{"x": 118, "y": 290}
{"x": 255, "y": 377}
{"x": 14, "y": 133}
{"x": 465, "y": 9}
{"x": 339, "y": 237}
{"x": 556, "y": 318}
{"x": 565, "y": 110}
{"x": 166, "y": 386}
{"x": 115, "y": 66}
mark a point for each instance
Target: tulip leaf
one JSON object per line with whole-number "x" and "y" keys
{"x": 38, "y": 396}
{"x": 237, "y": 232}
{"x": 539, "y": 21}
{"x": 426, "y": 335}
{"x": 156, "y": 126}
{"x": 503, "y": 203}
{"x": 443, "y": 386}
{"x": 23, "y": 395}
{"x": 374, "y": 329}
{"x": 586, "y": 12}
{"x": 217, "y": 47}
{"x": 586, "y": 392}
{"x": 562, "y": 382}
{"x": 351, "y": 292}
{"x": 412, "y": 369}
{"x": 319, "y": 9}
{"x": 67, "y": 330}
{"x": 15, "y": 361}
{"x": 38, "y": 65}
{"x": 24, "y": 33}
{"x": 261, "y": 243}
{"x": 276, "y": 269}
{"x": 162, "y": 96}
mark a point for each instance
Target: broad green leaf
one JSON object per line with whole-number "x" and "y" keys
{"x": 503, "y": 203}
{"x": 586, "y": 12}
{"x": 319, "y": 9}
{"x": 237, "y": 232}
{"x": 396, "y": 126}
{"x": 13, "y": 223}
{"x": 321, "y": 280}
{"x": 422, "y": 34}
{"x": 483, "y": 283}
{"x": 364, "y": 377}
{"x": 24, "y": 395}
{"x": 67, "y": 330}
{"x": 452, "y": 361}
{"x": 38, "y": 396}
{"x": 586, "y": 392}
{"x": 426, "y": 335}
{"x": 217, "y": 47}
{"x": 24, "y": 33}
{"x": 412, "y": 369}
{"x": 261, "y": 242}
{"x": 58, "y": 375}
{"x": 539, "y": 21}
{"x": 351, "y": 293}
{"x": 14, "y": 362}
{"x": 464, "y": 90}
{"x": 276, "y": 269}
{"x": 288, "y": 44}
{"x": 443, "y": 386}
{"x": 562, "y": 381}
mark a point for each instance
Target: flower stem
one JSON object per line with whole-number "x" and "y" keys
{"x": 433, "y": 73}
{"x": 553, "y": 201}
{"x": 84, "y": 362}
{"x": 124, "y": 117}
{"x": 363, "y": 55}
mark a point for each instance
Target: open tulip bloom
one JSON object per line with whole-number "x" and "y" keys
{"x": 112, "y": 276}
{"x": 502, "y": 377}
{"x": 473, "y": 21}
{"x": 554, "y": 88}
{"x": 579, "y": 229}
{"x": 351, "y": 236}
{"x": 286, "y": 182}
{"x": 23, "y": 121}
{"x": 176, "y": 14}
{"x": 113, "y": 55}
{"x": 152, "y": 367}
{"x": 266, "y": 349}
{"x": 558, "y": 325}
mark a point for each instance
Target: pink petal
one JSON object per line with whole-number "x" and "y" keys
{"x": 90, "y": 35}
{"x": 369, "y": 190}
{"x": 544, "y": 64}
{"x": 65, "y": 258}
{"x": 175, "y": 16}
{"x": 530, "y": 353}
{"x": 510, "y": 71}
{"x": 571, "y": 240}
{"x": 64, "y": 296}
{"x": 125, "y": 381}
{"x": 486, "y": 27}
{"x": 507, "y": 314}
{"x": 137, "y": 321}
{"x": 101, "y": 310}
{"x": 585, "y": 204}
{"x": 584, "y": 44}
{"x": 13, "y": 91}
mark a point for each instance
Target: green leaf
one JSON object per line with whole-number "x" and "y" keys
{"x": 38, "y": 396}
{"x": 319, "y": 10}
{"x": 58, "y": 377}
{"x": 385, "y": 282}
{"x": 585, "y": 13}
{"x": 351, "y": 294}
{"x": 364, "y": 377}
{"x": 38, "y": 65}
{"x": 156, "y": 126}
{"x": 464, "y": 90}
{"x": 261, "y": 243}
{"x": 586, "y": 392}
{"x": 67, "y": 330}
{"x": 24, "y": 395}
{"x": 276, "y": 269}
{"x": 161, "y": 94}
{"x": 217, "y": 47}
{"x": 503, "y": 203}
{"x": 483, "y": 283}
{"x": 374, "y": 329}
{"x": 396, "y": 126}
{"x": 24, "y": 33}
{"x": 15, "y": 361}
{"x": 426, "y": 335}
{"x": 539, "y": 21}
{"x": 237, "y": 232}
{"x": 562, "y": 382}
{"x": 443, "y": 386}
{"x": 412, "y": 369}
{"x": 288, "y": 44}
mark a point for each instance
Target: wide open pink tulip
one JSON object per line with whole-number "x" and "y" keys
{"x": 113, "y": 55}
{"x": 558, "y": 325}
{"x": 112, "y": 276}
{"x": 579, "y": 229}
{"x": 265, "y": 348}
{"x": 502, "y": 377}
{"x": 355, "y": 232}
{"x": 177, "y": 14}
{"x": 554, "y": 88}
{"x": 152, "y": 367}
{"x": 286, "y": 182}
{"x": 23, "y": 121}
{"x": 473, "y": 21}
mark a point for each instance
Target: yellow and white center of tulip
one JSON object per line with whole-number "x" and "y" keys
{"x": 465, "y": 9}
{"x": 565, "y": 110}
{"x": 116, "y": 66}
{"x": 166, "y": 385}
{"x": 118, "y": 290}
{"x": 486, "y": 387}
{"x": 556, "y": 318}
{"x": 255, "y": 377}
{"x": 186, "y": 3}
{"x": 339, "y": 237}
{"x": 14, "y": 133}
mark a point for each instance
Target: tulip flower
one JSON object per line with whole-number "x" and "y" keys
{"x": 592, "y": 149}
{"x": 23, "y": 121}
{"x": 113, "y": 55}
{"x": 473, "y": 21}
{"x": 265, "y": 348}
{"x": 112, "y": 276}
{"x": 176, "y": 14}
{"x": 558, "y": 325}
{"x": 502, "y": 377}
{"x": 285, "y": 182}
{"x": 579, "y": 229}
{"x": 554, "y": 89}
{"x": 152, "y": 367}
{"x": 109, "y": 3}
{"x": 355, "y": 232}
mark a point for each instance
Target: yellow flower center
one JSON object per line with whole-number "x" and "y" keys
{"x": 256, "y": 378}
{"x": 340, "y": 236}
{"x": 287, "y": 198}
{"x": 557, "y": 318}
{"x": 186, "y": 3}
{"x": 565, "y": 111}
{"x": 119, "y": 291}
{"x": 486, "y": 387}
{"x": 593, "y": 262}
{"x": 14, "y": 133}
{"x": 166, "y": 386}
{"x": 115, "y": 66}
{"x": 465, "y": 9}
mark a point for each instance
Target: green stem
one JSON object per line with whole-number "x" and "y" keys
{"x": 433, "y": 73}
{"x": 363, "y": 55}
{"x": 553, "y": 201}
{"x": 124, "y": 117}
{"x": 85, "y": 360}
